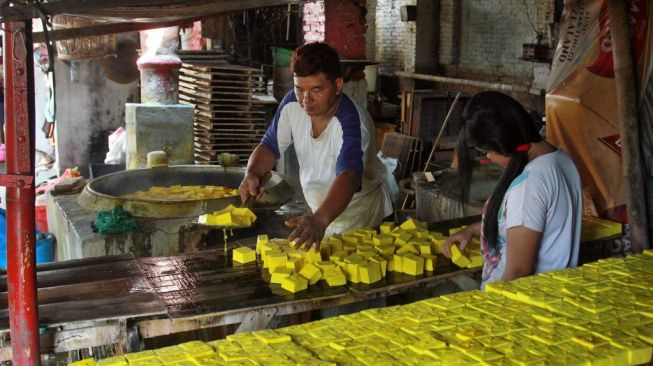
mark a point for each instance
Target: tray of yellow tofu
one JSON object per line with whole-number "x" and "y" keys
{"x": 362, "y": 259}
{"x": 597, "y": 314}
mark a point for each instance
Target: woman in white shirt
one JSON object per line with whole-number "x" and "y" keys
{"x": 531, "y": 222}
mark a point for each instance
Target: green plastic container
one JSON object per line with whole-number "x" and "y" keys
{"x": 281, "y": 56}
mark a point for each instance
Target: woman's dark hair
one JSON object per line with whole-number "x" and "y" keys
{"x": 313, "y": 58}
{"x": 493, "y": 121}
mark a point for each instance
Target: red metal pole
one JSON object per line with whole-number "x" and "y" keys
{"x": 21, "y": 245}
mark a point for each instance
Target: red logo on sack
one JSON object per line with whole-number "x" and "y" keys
{"x": 613, "y": 142}
{"x": 637, "y": 23}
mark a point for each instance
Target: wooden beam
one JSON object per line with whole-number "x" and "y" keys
{"x": 632, "y": 164}
{"x": 136, "y": 10}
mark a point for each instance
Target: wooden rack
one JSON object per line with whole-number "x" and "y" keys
{"x": 228, "y": 116}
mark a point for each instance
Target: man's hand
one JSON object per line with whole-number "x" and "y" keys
{"x": 309, "y": 230}
{"x": 249, "y": 187}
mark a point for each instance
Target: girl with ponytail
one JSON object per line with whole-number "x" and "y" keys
{"x": 531, "y": 221}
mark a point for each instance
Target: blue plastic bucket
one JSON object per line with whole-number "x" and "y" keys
{"x": 44, "y": 244}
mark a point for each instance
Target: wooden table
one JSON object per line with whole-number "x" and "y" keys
{"x": 115, "y": 299}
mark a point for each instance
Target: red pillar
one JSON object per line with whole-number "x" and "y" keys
{"x": 21, "y": 248}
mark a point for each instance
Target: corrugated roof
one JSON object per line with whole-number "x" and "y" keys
{"x": 128, "y": 15}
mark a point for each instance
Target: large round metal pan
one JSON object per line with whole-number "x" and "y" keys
{"x": 105, "y": 192}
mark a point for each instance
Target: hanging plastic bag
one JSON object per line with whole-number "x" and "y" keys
{"x": 117, "y": 147}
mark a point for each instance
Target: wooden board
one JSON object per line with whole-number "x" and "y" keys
{"x": 89, "y": 290}
{"x": 199, "y": 283}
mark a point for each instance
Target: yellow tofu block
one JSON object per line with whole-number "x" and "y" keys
{"x": 274, "y": 260}
{"x": 244, "y": 212}
{"x": 86, "y": 362}
{"x": 337, "y": 256}
{"x": 354, "y": 258}
{"x": 437, "y": 245}
{"x": 399, "y": 262}
{"x": 335, "y": 277}
{"x": 311, "y": 273}
{"x": 425, "y": 248}
{"x": 386, "y": 227}
{"x": 352, "y": 272}
{"x": 383, "y": 239}
{"x": 170, "y": 358}
{"x": 224, "y": 219}
{"x": 412, "y": 264}
{"x": 386, "y": 249}
{"x": 350, "y": 238}
{"x": 362, "y": 235}
{"x": 402, "y": 238}
{"x": 370, "y": 272}
{"x": 294, "y": 283}
{"x": 244, "y": 255}
{"x": 266, "y": 247}
{"x": 113, "y": 361}
{"x": 280, "y": 273}
{"x": 430, "y": 262}
{"x": 137, "y": 356}
{"x": 336, "y": 244}
{"x": 296, "y": 264}
{"x": 594, "y": 228}
{"x": 371, "y": 232}
{"x": 391, "y": 267}
{"x": 475, "y": 261}
{"x": 383, "y": 263}
{"x": 270, "y": 336}
{"x": 146, "y": 362}
{"x": 311, "y": 256}
{"x": 169, "y": 350}
{"x": 365, "y": 249}
{"x": 458, "y": 258}
{"x": 325, "y": 265}
{"x": 408, "y": 248}
{"x": 295, "y": 253}
{"x": 413, "y": 224}
{"x": 260, "y": 241}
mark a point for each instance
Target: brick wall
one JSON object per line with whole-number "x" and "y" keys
{"x": 314, "y": 20}
{"x": 395, "y": 40}
{"x": 490, "y": 37}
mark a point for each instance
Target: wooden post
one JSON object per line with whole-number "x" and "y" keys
{"x": 626, "y": 83}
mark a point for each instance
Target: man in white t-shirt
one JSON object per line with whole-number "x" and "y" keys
{"x": 341, "y": 177}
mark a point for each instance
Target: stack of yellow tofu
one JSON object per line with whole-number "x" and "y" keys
{"x": 183, "y": 193}
{"x": 598, "y": 314}
{"x": 360, "y": 256}
{"x": 594, "y": 228}
{"x": 231, "y": 216}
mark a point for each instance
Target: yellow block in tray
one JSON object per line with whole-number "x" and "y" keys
{"x": 412, "y": 264}
{"x": 475, "y": 261}
{"x": 458, "y": 257}
{"x": 260, "y": 241}
{"x": 413, "y": 224}
{"x": 382, "y": 239}
{"x": 370, "y": 272}
{"x": 280, "y": 273}
{"x": 311, "y": 272}
{"x": 430, "y": 262}
{"x": 244, "y": 255}
{"x": 113, "y": 361}
{"x": 408, "y": 248}
{"x": 383, "y": 263}
{"x": 294, "y": 283}
{"x": 335, "y": 277}
{"x": 295, "y": 264}
{"x": 386, "y": 227}
{"x": 594, "y": 228}
{"x": 274, "y": 260}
